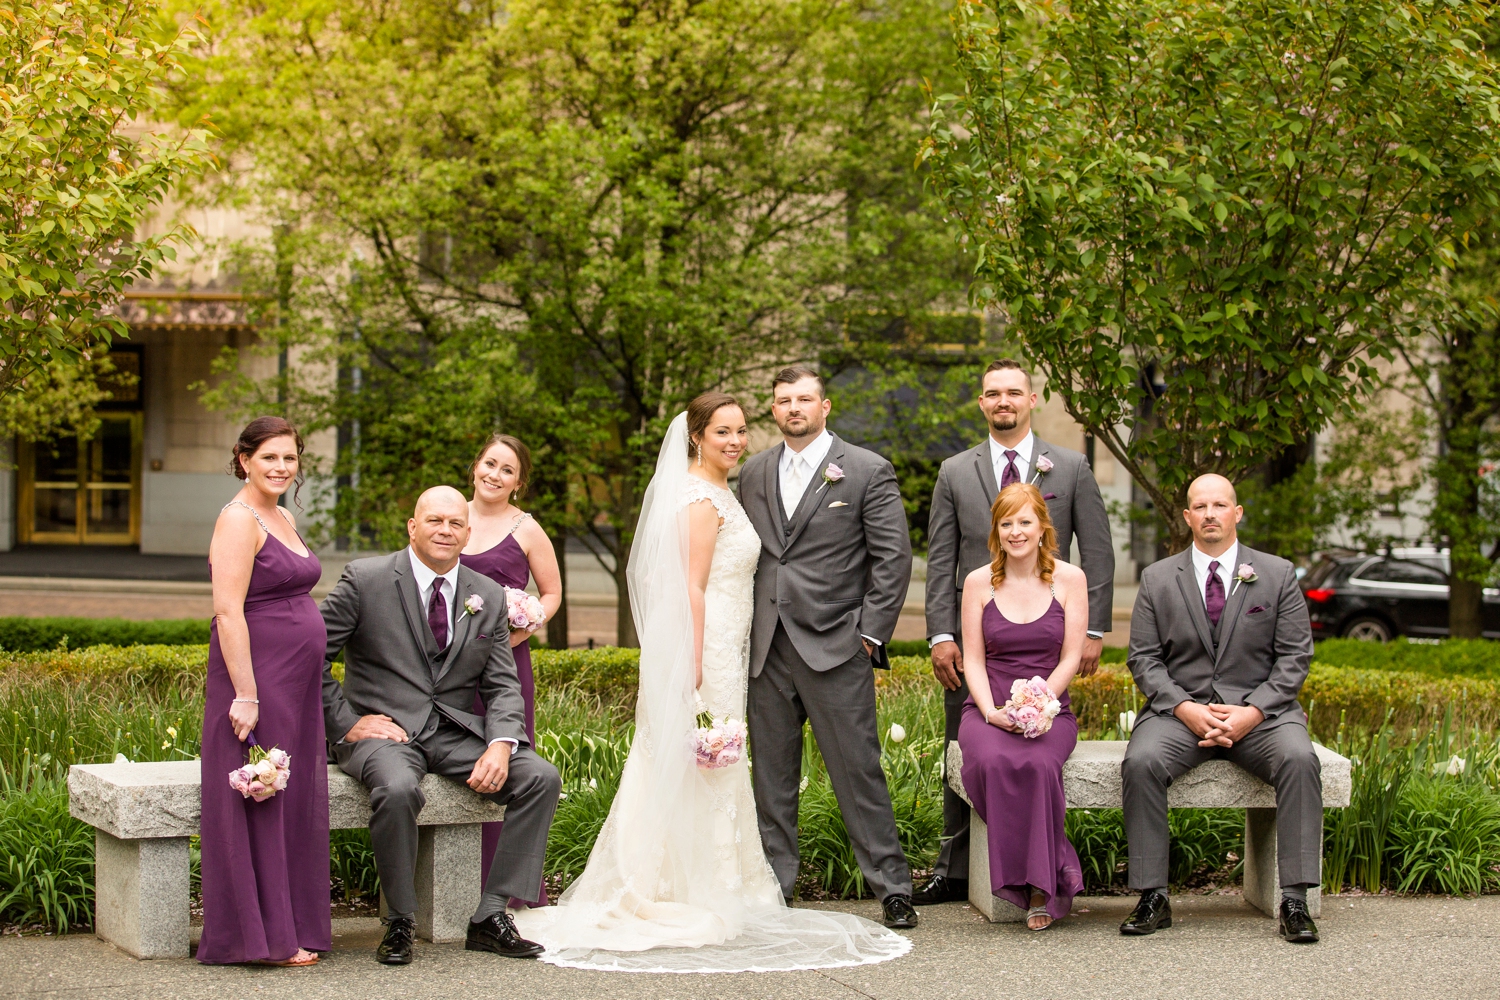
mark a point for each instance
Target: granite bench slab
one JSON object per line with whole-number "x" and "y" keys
{"x": 1091, "y": 780}
{"x": 144, "y": 814}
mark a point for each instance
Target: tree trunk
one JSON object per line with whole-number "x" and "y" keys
{"x": 557, "y": 626}
{"x": 1465, "y": 609}
{"x": 624, "y": 620}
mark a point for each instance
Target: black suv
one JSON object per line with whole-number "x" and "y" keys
{"x": 1378, "y": 597}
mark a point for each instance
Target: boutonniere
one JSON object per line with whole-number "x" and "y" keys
{"x": 474, "y": 604}
{"x": 1043, "y": 465}
{"x": 831, "y": 474}
{"x": 1245, "y": 574}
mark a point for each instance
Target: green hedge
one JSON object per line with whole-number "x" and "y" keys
{"x": 27, "y": 635}
{"x": 1478, "y": 658}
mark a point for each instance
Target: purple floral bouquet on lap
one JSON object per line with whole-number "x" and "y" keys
{"x": 1032, "y": 707}
{"x": 718, "y": 742}
{"x": 524, "y": 611}
{"x": 266, "y": 773}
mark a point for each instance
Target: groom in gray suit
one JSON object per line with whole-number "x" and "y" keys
{"x": 1220, "y": 644}
{"x": 834, "y": 567}
{"x": 421, "y": 635}
{"x": 958, "y": 542}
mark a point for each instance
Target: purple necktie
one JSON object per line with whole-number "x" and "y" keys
{"x": 1010, "y": 476}
{"x": 1213, "y": 594}
{"x": 437, "y": 613}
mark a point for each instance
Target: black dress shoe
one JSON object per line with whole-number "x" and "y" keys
{"x": 942, "y": 889}
{"x": 1153, "y": 911}
{"x": 899, "y": 913}
{"x": 498, "y": 934}
{"x": 1296, "y": 924}
{"x": 396, "y": 947}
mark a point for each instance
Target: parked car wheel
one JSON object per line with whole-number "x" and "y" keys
{"x": 1368, "y": 629}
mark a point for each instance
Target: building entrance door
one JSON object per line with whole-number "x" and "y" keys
{"x": 76, "y": 490}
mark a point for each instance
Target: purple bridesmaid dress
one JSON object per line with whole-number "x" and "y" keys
{"x": 506, "y": 564}
{"x": 265, "y": 864}
{"x": 1016, "y": 783}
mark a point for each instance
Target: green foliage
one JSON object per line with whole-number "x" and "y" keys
{"x": 567, "y": 220}
{"x": 1202, "y": 217}
{"x": 1446, "y": 838}
{"x": 352, "y": 865}
{"x": 46, "y": 856}
{"x": 78, "y": 176}
{"x": 1475, "y": 658}
{"x": 29, "y": 635}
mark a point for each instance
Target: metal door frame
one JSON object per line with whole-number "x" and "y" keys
{"x": 26, "y": 493}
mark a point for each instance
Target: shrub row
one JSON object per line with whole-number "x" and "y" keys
{"x": 29, "y": 635}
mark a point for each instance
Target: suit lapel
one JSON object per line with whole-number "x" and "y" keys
{"x": 411, "y": 603}
{"x": 461, "y": 624}
{"x": 986, "y": 470}
{"x": 1232, "y": 606}
{"x": 773, "y": 491}
{"x": 812, "y": 496}
{"x": 1187, "y": 582}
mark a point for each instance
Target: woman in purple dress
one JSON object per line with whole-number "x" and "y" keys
{"x": 508, "y": 546}
{"x": 1024, "y": 616}
{"x": 265, "y": 864}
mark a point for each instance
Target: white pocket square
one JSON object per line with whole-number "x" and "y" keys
{"x": 838, "y": 503}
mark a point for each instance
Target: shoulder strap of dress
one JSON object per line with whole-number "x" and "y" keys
{"x": 252, "y": 510}
{"x": 519, "y": 521}
{"x": 287, "y": 515}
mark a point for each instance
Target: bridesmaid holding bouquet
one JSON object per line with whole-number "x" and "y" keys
{"x": 508, "y": 546}
{"x": 265, "y": 837}
{"x": 1024, "y": 619}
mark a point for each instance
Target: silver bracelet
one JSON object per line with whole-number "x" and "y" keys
{"x": 249, "y": 701}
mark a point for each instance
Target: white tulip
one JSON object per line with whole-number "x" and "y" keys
{"x": 1127, "y": 722}
{"x": 898, "y": 732}
{"x": 1456, "y": 765}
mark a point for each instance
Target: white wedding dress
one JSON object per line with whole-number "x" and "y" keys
{"x": 678, "y": 880}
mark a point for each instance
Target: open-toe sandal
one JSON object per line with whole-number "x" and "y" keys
{"x": 1038, "y": 911}
{"x": 293, "y": 963}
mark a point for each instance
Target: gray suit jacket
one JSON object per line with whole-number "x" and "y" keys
{"x": 392, "y": 665}
{"x": 839, "y": 568}
{"x": 958, "y": 529}
{"x": 1264, "y": 639}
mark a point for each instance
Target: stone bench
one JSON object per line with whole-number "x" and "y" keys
{"x": 1091, "y": 780}
{"x": 143, "y": 815}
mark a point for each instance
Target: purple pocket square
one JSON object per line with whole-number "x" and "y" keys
{"x": 1050, "y": 496}
{"x": 1256, "y": 610}
{"x": 484, "y": 637}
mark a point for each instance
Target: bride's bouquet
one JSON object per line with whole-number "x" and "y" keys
{"x": 524, "y": 611}
{"x": 1032, "y": 707}
{"x": 718, "y": 742}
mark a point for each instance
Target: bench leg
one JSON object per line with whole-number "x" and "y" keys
{"x": 1262, "y": 883}
{"x": 447, "y": 880}
{"x": 141, "y": 895}
{"x": 995, "y": 909}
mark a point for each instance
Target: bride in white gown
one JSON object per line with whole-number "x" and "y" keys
{"x": 678, "y": 881}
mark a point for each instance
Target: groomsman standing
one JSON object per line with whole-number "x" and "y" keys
{"x": 958, "y": 543}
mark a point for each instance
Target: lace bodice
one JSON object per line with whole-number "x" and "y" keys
{"x": 729, "y": 602}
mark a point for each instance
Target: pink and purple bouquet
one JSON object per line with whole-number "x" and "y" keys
{"x": 718, "y": 742}
{"x": 525, "y": 612}
{"x": 1032, "y": 707}
{"x": 264, "y": 775}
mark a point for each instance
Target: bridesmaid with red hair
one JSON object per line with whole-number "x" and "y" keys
{"x": 508, "y": 546}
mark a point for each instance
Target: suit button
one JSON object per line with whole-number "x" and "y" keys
{"x": 783, "y": 562}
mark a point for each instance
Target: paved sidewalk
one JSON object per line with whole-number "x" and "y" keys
{"x": 1218, "y": 948}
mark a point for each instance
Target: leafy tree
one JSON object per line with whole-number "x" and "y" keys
{"x": 573, "y": 218}
{"x": 1201, "y": 217}
{"x": 77, "y": 80}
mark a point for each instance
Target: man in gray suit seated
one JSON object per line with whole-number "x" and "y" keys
{"x": 1220, "y": 644}
{"x": 958, "y": 534}
{"x": 421, "y": 634}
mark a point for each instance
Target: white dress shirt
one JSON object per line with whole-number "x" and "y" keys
{"x": 1023, "y": 452}
{"x": 1227, "y": 566}
{"x": 425, "y": 576}
{"x": 798, "y": 468}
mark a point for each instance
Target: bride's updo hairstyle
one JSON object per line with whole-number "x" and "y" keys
{"x": 700, "y": 411}
{"x": 1008, "y": 504}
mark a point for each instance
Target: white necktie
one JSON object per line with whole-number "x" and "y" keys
{"x": 791, "y": 487}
